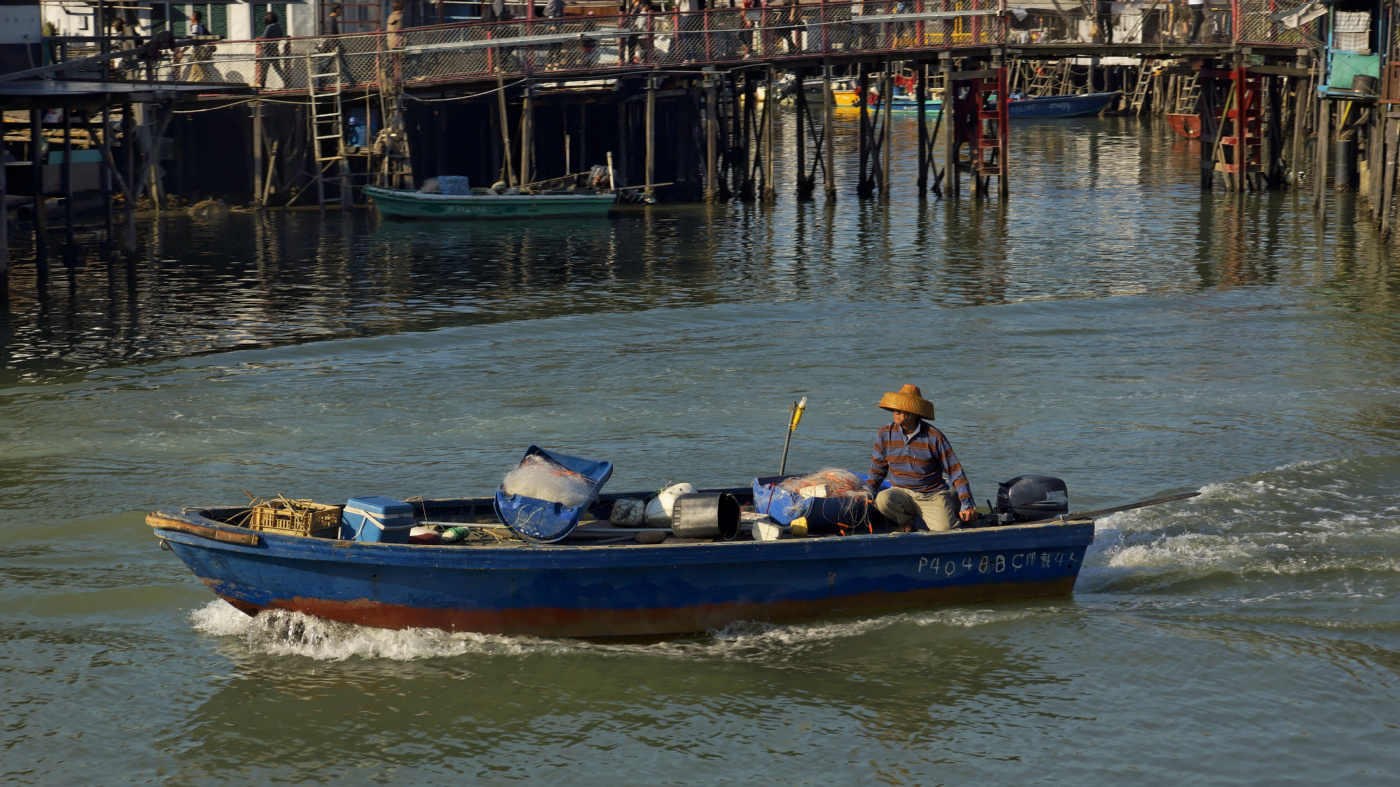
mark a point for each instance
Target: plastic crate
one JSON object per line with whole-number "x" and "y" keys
{"x": 296, "y": 518}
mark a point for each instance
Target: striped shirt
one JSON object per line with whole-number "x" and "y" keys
{"x": 918, "y": 462}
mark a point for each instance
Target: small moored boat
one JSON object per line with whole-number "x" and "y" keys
{"x": 482, "y": 204}
{"x": 1066, "y": 106}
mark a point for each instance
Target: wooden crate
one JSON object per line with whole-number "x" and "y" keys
{"x": 296, "y": 518}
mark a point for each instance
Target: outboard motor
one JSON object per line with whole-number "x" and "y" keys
{"x": 1031, "y": 497}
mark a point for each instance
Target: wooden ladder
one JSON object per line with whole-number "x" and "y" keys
{"x": 1047, "y": 79}
{"x": 1141, "y": 88}
{"x": 1188, "y": 95}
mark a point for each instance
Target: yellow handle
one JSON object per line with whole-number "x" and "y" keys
{"x": 797, "y": 410}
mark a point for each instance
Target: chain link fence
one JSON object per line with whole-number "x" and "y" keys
{"x": 533, "y": 47}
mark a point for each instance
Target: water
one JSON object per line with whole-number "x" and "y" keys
{"x": 1110, "y": 325}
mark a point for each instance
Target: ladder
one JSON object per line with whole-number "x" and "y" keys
{"x": 326, "y": 125}
{"x": 1241, "y": 132}
{"x": 1047, "y": 79}
{"x": 1141, "y": 88}
{"x": 1188, "y": 95}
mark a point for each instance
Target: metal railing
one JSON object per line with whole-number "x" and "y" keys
{"x": 578, "y": 46}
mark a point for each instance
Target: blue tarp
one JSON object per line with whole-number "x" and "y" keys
{"x": 784, "y": 506}
{"x": 541, "y": 520}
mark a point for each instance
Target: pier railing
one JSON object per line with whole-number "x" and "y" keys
{"x": 1255, "y": 24}
{"x": 578, "y": 46}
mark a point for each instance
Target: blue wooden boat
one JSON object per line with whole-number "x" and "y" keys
{"x": 600, "y": 581}
{"x": 1068, "y": 106}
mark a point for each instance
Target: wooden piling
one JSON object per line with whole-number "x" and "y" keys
{"x": 36, "y": 155}
{"x": 4, "y": 230}
{"x": 952, "y": 181}
{"x": 503, "y": 110}
{"x": 651, "y": 137}
{"x": 805, "y": 184}
{"x": 863, "y": 137}
{"x": 1324, "y": 138}
{"x": 68, "y": 225}
{"x": 711, "y": 140}
{"x": 770, "y": 114}
{"x": 129, "y": 173}
{"x": 887, "y": 102}
{"x": 128, "y": 142}
{"x": 828, "y": 142}
{"x": 921, "y": 99}
{"x": 527, "y": 134}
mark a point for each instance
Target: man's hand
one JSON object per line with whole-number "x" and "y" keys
{"x": 967, "y": 515}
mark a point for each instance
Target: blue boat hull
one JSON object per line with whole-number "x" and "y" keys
{"x": 1070, "y": 106}
{"x": 622, "y": 590}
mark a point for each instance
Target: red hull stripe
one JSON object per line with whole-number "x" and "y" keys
{"x": 562, "y": 622}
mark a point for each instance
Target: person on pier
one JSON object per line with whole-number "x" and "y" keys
{"x": 1198, "y": 18}
{"x": 272, "y": 31}
{"x": 917, "y": 458}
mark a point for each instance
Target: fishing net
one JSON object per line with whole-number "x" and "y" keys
{"x": 541, "y": 479}
{"x": 830, "y": 482}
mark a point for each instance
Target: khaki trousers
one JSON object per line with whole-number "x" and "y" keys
{"x": 938, "y": 510}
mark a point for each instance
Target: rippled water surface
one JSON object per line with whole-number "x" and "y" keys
{"x": 1109, "y": 325}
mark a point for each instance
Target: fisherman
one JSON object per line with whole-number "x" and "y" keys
{"x": 916, "y": 456}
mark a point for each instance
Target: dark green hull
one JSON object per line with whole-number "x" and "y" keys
{"x": 394, "y": 204}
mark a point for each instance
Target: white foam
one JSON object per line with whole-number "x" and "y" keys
{"x": 292, "y": 633}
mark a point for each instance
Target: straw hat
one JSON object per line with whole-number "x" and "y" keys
{"x": 908, "y": 399}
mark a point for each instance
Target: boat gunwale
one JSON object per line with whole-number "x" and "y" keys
{"x": 529, "y": 556}
{"x": 418, "y": 196}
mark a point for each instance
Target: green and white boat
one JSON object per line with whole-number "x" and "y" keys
{"x": 485, "y": 205}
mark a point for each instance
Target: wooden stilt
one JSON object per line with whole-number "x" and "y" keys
{"x": 828, "y": 142}
{"x": 505, "y": 130}
{"x": 711, "y": 140}
{"x": 805, "y": 186}
{"x": 36, "y": 155}
{"x": 887, "y": 101}
{"x": 69, "y": 231}
{"x": 1324, "y": 138}
{"x": 1392, "y": 160}
{"x": 257, "y": 152}
{"x": 863, "y": 137}
{"x": 527, "y": 134}
{"x": 953, "y": 184}
{"x": 651, "y": 137}
{"x": 106, "y": 177}
{"x": 129, "y": 173}
{"x": 1003, "y": 136}
{"x": 4, "y": 230}
{"x": 921, "y": 98}
{"x": 770, "y": 115}
{"x": 1300, "y": 118}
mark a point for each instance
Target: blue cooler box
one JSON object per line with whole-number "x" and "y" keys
{"x": 376, "y": 519}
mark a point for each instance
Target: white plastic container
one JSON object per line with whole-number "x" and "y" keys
{"x": 658, "y": 512}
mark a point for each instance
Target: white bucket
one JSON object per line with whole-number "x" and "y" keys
{"x": 658, "y": 512}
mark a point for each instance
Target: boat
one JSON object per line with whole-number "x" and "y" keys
{"x": 1064, "y": 106}
{"x": 848, "y": 96}
{"x": 1187, "y": 126}
{"x": 601, "y": 580}
{"x": 485, "y": 204}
